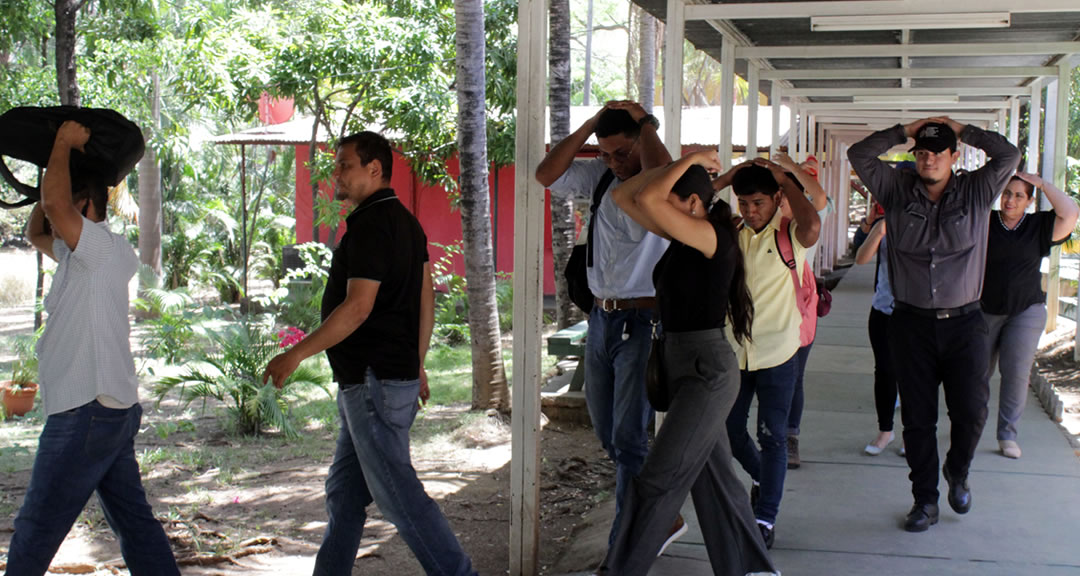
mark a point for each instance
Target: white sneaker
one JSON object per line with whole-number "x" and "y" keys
{"x": 677, "y": 531}
{"x": 1009, "y": 449}
{"x": 873, "y": 450}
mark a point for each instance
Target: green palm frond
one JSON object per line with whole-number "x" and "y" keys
{"x": 232, "y": 374}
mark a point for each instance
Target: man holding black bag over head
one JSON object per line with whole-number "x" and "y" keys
{"x": 620, "y": 258}
{"x": 87, "y": 375}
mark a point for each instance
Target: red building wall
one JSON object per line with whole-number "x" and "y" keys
{"x": 431, "y": 206}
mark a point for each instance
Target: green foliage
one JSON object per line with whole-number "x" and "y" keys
{"x": 25, "y": 368}
{"x": 301, "y": 304}
{"x": 171, "y": 325}
{"x": 231, "y": 373}
{"x": 451, "y": 303}
{"x": 504, "y": 300}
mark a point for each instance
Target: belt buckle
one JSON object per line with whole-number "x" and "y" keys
{"x": 943, "y": 314}
{"x": 604, "y": 304}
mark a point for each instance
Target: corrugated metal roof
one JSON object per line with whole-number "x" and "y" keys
{"x": 1033, "y": 21}
{"x": 699, "y": 126}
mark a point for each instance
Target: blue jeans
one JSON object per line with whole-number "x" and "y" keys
{"x": 86, "y": 449}
{"x": 774, "y": 387}
{"x": 615, "y": 392}
{"x": 797, "y": 397}
{"x": 372, "y": 463}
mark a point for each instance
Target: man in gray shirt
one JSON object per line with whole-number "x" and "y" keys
{"x": 937, "y": 223}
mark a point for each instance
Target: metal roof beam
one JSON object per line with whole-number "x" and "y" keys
{"x": 879, "y": 73}
{"x": 763, "y": 10}
{"x": 818, "y": 51}
{"x": 839, "y": 116}
{"x": 900, "y": 92}
{"x": 969, "y": 105}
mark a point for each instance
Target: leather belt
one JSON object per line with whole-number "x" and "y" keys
{"x": 613, "y": 304}
{"x": 939, "y": 313}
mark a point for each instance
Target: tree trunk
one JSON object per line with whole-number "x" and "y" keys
{"x": 647, "y": 66}
{"x": 562, "y": 211}
{"x": 490, "y": 389}
{"x": 66, "y": 11}
{"x": 587, "y": 88}
{"x": 150, "y": 191}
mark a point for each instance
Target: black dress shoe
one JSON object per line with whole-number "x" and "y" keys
{"x": 921, "y": 517}
{"x": 959, "y": 493}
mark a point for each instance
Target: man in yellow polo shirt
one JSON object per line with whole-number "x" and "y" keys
{"x": 767, "y": 364}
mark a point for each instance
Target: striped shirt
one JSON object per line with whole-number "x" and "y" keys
{"x": 624, "y": 253}
{"x": 84, "y": 351}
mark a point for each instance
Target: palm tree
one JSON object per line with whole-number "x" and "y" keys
{"x": 490, "y": 389}
{"x": 562, "y": 211}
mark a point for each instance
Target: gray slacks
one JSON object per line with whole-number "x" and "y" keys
{"x": 1013, "y": 342}
{"x": 692, "y": 454}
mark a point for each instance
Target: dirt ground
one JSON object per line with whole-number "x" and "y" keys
{"x": 1058, "y": 366}
{"x": 268, "y": 518}
{"x": 232, "y": 505}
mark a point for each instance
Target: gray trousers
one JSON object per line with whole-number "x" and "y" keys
{"x": 1013, "y": 342}
{"x": 692, "y": 454}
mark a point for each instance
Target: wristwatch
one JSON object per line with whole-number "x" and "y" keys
{"x": 649, "y": 119}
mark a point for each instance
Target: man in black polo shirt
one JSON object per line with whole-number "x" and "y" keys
{"x": 937, "y": 223}
{"x": 377, "y": 317}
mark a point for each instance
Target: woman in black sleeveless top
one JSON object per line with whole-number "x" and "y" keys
{"x": 700, "y": 285}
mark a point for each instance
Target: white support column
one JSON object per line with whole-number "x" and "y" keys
{"x": 774, "y": 104}
{"x": 811, "y": 137}
{"x": 1034, "y": 127}
{"x": 1001, "y": 129}
{"x": 1014, "y": 122}
{"x": 793, "y": 129}
{"x": 804, "y": 122}
{"x": 673, "y": 76}
{"x": 751, "y": 111}
{"x": 1060, "y": 135}
{"x": 727, "y": 98}
{"x": 529, "y": 227}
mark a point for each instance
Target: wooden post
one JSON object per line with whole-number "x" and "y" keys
{"x": 673, "y": 77}
{"x": 774, "y": 107}
{"x": 727, "y": 98}
{"x": 528, "y": 289}
{"x": 751, "y": 112}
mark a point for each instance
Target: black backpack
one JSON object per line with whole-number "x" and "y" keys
{"x": 27, "y": 133}
{"x": 581, "y": 258}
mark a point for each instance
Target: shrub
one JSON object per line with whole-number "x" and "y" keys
{"x": 231, "y": 372}
{"x": 170, "y": 323}
{"x": 15, "y": 290}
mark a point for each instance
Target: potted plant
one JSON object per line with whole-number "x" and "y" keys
{"x": 18, "y": 393}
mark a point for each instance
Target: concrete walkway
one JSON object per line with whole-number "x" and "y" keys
{"x": 842, "y": 511}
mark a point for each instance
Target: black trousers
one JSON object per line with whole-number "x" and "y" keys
{"x": 884, "y": 376}
{"x": 952, "y": 352}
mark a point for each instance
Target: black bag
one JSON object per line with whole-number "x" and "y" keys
{"x": 27, "y": 133}
{"x": 656, "y": 386}
{"x": 581, "y": 258}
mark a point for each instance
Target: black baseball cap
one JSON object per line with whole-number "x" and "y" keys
{"x": 935, "y": 137}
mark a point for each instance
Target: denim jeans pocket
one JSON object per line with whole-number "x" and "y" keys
{"x": 398, "y": 404}
{"x": 105, "y": 434}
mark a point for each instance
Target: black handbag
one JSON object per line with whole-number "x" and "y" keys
{"x": 581, "y": 258}
{"x": 27, "y": 133}
{"x": 656, "y": 385}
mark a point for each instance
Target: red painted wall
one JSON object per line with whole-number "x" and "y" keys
{"x": 431, "y": 206}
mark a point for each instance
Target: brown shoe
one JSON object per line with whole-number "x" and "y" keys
{"x": 677, "y": 530}
{"x": 793, "y": 460}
